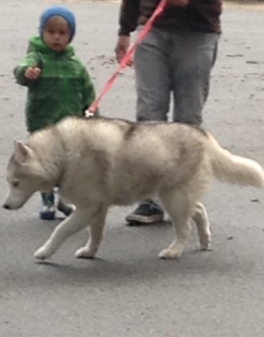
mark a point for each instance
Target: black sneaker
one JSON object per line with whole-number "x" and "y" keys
{"x": 147, "y": 212}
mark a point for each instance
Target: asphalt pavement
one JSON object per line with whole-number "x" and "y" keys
{"x": 127, "y": 291}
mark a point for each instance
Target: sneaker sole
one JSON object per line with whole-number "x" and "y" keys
{"x": 138, "y": 219}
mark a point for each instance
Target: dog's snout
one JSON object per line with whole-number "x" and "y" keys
{"x": 6, "y": 206}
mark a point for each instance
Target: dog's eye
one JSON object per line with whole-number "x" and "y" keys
{"x": 15, "y": 184}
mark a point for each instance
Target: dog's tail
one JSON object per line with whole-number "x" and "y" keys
{"x": 235, "y": 169}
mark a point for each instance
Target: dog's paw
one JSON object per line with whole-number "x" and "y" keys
{"x": 41, "y": 253}
{"x": 205, "y": 246}
{"x": 168, "y": 254}
{"x": 84, "y": 253}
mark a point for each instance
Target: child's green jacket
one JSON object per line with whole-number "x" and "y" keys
{"x": 64, "y": 87}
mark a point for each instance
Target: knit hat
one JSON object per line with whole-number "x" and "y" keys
{"x": 64, "y": 12}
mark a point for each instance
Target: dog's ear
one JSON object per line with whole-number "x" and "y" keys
{"x": 21, "y": 151}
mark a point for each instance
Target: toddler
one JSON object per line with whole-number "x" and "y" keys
{"x": 58, "y": 83}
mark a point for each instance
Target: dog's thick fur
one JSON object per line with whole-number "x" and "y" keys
{"x": 102, "y": 162}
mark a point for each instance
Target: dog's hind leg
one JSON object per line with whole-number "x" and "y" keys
{"x": 77, "y": 221}
{"x": 95, "y": 230}
{"x": 180, "y": 208}
{"x": 201, "y": 220}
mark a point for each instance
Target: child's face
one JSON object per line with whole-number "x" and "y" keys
{"x": 56, "y": 33}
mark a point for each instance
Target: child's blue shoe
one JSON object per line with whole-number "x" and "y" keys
{"x": 47, "y": 212}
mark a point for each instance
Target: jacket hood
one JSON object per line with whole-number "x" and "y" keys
{"x": 36, "y": 44}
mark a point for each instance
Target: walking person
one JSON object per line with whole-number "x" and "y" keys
{"x": 175, "y": 60}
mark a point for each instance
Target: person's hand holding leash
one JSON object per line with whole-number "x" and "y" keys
{"x": 32, "y": 72}
{"x": 122, "y": 46}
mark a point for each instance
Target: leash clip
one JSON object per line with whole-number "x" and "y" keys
{"x": 88, "y": 114}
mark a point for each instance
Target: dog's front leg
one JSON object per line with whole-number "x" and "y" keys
{"x": 70, "y": 226}
{"x": 95, "y": 231}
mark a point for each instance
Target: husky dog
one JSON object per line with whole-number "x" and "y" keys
{"x": 101, "y": 162}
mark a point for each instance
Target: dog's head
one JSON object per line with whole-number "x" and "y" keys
{"x": 25, "y": 176}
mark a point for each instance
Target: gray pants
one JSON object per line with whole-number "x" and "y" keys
{"x": 174, "y": 62}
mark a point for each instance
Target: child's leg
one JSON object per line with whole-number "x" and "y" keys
{"x": 64, "y": 208}
{"x": 48, "y": 206}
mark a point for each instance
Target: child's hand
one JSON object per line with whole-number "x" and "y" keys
{"x": 32, "y": 72}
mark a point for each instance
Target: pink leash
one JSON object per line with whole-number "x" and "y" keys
{"x": 144, "y": 31}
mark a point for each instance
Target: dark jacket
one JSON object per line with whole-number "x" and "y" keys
{"x": 198, "y": 15}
